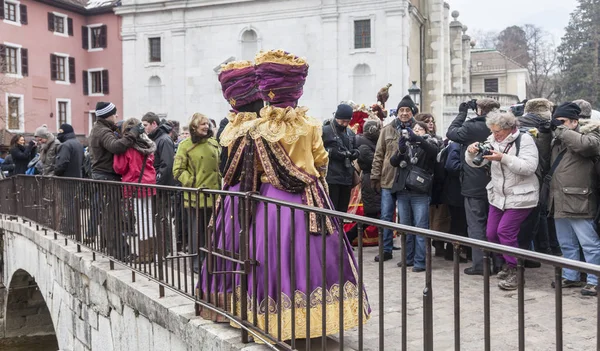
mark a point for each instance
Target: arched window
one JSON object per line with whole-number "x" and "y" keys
{"x": 249, "y": 45}
{"x": 363, "y": 91}
{"x": 155, "y": 93}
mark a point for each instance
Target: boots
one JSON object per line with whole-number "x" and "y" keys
{"x": 511, "y": 281}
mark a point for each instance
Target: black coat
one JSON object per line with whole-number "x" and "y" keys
{"x": 8, "y": 165}
{"x": 21, "y": 156}
{"x": 224, "y": 151}
{"x": 69, "y": 159}
{"x": 452, "y": 189}
{"x": 425, "y": 150}
{"x": 340, "y": 143}
{"x": 543, "y": 140}
{"x": 370, "y": 198}
{"x": 164, "y": 156}
{"x": 466, "y": 132}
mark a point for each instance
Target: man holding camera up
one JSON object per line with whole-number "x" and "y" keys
{"x": 571, "y": 197}
{"x": 383, "y": 173}
{"x": 473, "y": 180}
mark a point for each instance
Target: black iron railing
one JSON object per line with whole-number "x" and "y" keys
{"x": 154, "y": 230}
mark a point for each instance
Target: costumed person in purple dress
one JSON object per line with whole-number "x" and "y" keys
{"x": 240, "y": 89}
{"x": 291, "y": 164}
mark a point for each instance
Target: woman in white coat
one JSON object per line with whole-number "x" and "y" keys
{"x": 513, "y": 191}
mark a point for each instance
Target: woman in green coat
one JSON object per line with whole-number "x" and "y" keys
{"x": 197, "y": 166}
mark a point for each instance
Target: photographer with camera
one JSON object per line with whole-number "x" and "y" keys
{"x": 383, "y": 173}
{"x": 572, "y": 198}
{"x": 513, "y": 191}
{"x": 414, "y": 162}
{"x": 473, "y": 180}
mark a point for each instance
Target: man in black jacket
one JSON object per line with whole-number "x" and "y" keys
{"x": 339, "y": 141}
{"x": 473, "y": 180}
{"x": 164, "y": 156}
{"x": 69, "y": 160}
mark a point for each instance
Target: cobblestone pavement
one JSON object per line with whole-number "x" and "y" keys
{"x": 579, "y": 313}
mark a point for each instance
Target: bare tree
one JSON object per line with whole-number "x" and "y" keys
{"x": 484, "y": 39}
{"x": 543, "y": 63}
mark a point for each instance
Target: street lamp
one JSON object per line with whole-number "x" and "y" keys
{"x": 415, "y": 93}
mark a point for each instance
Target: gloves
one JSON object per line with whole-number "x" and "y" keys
{"x": 376, "y": 185}
{"x": 354, "y": 154}
{"x": 556, "y": 123}
{"x": 559, "y": 131}
{"x": 413, "y": 138}
{"x": 137, "y": 130}
{"x": 463, "y": 108}
{"x": 402, "y": 143}
{"x": 32, "y": 143}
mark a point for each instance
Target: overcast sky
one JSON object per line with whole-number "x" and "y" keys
{"x": 496, "y": 15}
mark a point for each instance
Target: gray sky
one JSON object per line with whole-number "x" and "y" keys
{"x": 487, "y": 15}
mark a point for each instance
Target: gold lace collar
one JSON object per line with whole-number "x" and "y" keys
{"x": 238, "y": 126}
{"x": 286, "y": 124}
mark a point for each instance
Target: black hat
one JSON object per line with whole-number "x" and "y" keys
{"x": 344, "y": 112}
{"x": 568, "y": 110}
{"x": 408, "y": 102}
{"x": 67, "y": 128}
{"x": 105, "y": 109}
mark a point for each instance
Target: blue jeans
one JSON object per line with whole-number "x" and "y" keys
{"x": 388, "y": 206}
{"x": 414, "y": 211}
{"x": 574, "y": 232}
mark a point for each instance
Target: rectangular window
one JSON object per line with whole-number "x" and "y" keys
{"x": 61, "y": 68}
{"x": 12, "y": 60}
{"x": 62, "y": 112}
{"x": 10, "y": 11}
{"x": 96, "y": 82}
{"x": 14, "y": 113}
{"x": 154, "y": 48}
{"x": 59, "y": 24}
{"x": 96, "y": 34}
{"x": 362, "y": 34}
{"x": 490, "y": 85}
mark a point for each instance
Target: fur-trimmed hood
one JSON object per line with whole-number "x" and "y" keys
{"x": 539, "y": 107}
{"x": 587, "y": 126}
{"x": 144, "y": 145}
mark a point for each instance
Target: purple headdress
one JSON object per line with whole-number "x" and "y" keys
{"x": 239, "y": 83}
{"x": 281, "y": 77}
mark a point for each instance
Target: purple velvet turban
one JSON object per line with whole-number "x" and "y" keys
{"x": 281, "y": 84}
{"x": 239, "y": 86}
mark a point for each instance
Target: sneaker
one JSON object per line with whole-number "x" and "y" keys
{"x": 589, "y": 290}
{"x": 386, "y": 257}
{"x": 511, "y": 282}
{"x": 503, "y": 274}
{"x": 566, "y": 283}
{"x": 473, "y": 271}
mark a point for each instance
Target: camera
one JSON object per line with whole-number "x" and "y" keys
{"x": 484, "y": 149}
{"x": 405, "y": 134}
{"x": 472, "y": 105}
{"x": 518, "y": 110}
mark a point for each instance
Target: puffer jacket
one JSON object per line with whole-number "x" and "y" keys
{"x": 514, "y": 184}
{"x": 69, "y": 160}
{"x": 104, "y": 144}
{"x": 572, "y": 187}
{"x": 370, "y": 198}
{"x": 48, "y": 153}
{"x": 387, "y": 146}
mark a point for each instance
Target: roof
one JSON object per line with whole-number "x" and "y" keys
{"x": 483, "y": 60}
{"x": 84, "y": 6}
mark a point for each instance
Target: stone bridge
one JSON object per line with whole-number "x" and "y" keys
{"x": 52, "y": 289}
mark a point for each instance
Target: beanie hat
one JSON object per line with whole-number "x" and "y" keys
{"x": 344, "y": 112}
{"x": 105, "y": 109}
{"x": 539, "y": 107}
{"x": 67, "y": 128}
{"x": 568, "y": 110}
{"x": 42, "y": 132}
{"x": 408, "y": 102}
{"x": 586, "y": 108}
{"x": 239, "y": 84}
{"x": 487, "y": 105}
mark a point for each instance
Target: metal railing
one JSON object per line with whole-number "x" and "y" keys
{"x": 153, "y": 230}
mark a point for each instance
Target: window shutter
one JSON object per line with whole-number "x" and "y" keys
{"x": 53, "y": 67}
{"x": 105, "y": 82}
{"x": 85, "y": 37}
{"x": 103, "y": 36}
{"x": 70, "y": 25}
{"x": 50, "y": 21}
{"x": 85, "y": 82}
{"x": 72, "y": 69}
{"x": 1, "y": 9}
{"x": 24, "y": 62}
{"x": 23, "y": 9}
{"x": 2, "y": 58}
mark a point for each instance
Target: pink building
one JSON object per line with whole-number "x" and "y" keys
{"x": 60, "y": 58}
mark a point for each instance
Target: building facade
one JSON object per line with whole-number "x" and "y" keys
{"x": 59, "y": 58}
{"x": 493, "y": 72}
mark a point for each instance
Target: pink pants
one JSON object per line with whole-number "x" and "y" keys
{"x": 503, "y": 228}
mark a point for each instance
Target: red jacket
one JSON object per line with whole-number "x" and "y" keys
{"x": 129, "y": 166}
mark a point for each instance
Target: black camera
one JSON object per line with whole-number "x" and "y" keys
{"x": 484, "y": 149}
{"x": 472, "y": 105}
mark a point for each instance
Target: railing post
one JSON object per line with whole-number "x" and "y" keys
{"x": 427, "y": 300}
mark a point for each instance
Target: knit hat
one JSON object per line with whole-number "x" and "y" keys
{"x": 586, "y": 108}
{"x": 42, "y": 132}
{"x": 105, "y": 109}
{"x": 281, "y": 77}
{"x": 487, "y": 105}
{"x": 568, "y": 110}
{"x": 408, "y": 102}
{"x": 343, "y": 112}
{"x": 239, "y": 84}
{"x": 67, "y": 128}
{"x": 539, "y": 107}
{"x": 372, "y": 129}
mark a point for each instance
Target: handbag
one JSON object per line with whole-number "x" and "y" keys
{"x": 419, "y": 180}
{"x": 545, "y": 189}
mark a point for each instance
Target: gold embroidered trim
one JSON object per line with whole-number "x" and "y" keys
{"x": 279, "y": 56}
{"x": 239, "y": 124}
{"x": 269, "y": 306}
{"x": 236, "y": 65}
{"x": 283, "y": 124}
